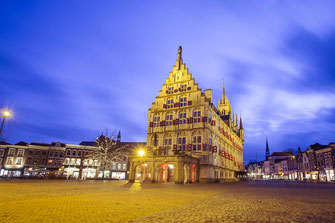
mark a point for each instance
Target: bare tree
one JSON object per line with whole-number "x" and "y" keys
{"x": 108, "y": 151}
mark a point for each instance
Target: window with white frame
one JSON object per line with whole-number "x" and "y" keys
{"x": 196, "y": 141}
{"x": 19, "y": 161}
{"x": 182, "y": 118}
{"x": 196, "y": 116}
{"x": 156, "y": 121}
{"x": 78, "y": 162}
{"x": 73, "y": 161}
{"x": 2, "y": 152}
{"x": 20, "y": 152}
{"x": 67, "y": 161}
{"x": 169, "y": 119}
{"x": 119, "y": 166}
{"x": 11, "y": 152}
{"x": 114, "y": 166}
{"x": 124, "y": 166}
{"x": 10, "y": 161}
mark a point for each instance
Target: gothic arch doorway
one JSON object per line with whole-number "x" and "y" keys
{"x": 142, "y": 172}
{"x": 166, "y": 173}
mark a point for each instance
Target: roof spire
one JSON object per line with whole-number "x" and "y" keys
{"x": 223, "y": 93}
{"x": 179, "y": 57}
{"x": 267, "y": 151}
{"x": 241, "y": 125}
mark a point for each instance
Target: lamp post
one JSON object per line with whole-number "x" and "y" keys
{"x": 5, "y": 114}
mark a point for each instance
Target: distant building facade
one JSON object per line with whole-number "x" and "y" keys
{"x": 317, "y": 163}
{"x": 59, "y": 160}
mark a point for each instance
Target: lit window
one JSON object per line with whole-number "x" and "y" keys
{"x": 124, "y": 166}
{"x": 114, "y": 166}
{"x": 20, "y": 152}
{"x": 119, "y": 166}
{"x": 11, "y": 152}
{"x": 9, "y": 161}
{"x": 78, "y": 162}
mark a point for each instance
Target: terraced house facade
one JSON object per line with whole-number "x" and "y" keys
{"x": 188, "y": 138}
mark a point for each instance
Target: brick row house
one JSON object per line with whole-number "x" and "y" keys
{"x": 59, "y": 160}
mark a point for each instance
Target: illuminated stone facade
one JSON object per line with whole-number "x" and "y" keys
{"x": 189, "y": 139}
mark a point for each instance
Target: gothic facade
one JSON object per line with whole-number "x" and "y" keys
{"x": 189, "y": 139}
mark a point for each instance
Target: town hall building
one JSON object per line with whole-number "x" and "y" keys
{"x": 189, "y": 139}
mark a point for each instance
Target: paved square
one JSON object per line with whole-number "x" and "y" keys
{"x": 117, "y": 201}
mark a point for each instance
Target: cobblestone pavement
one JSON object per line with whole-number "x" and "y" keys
{"x": 117, "y": 201}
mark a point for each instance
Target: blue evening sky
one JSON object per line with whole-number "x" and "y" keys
{"x": 71, "y": 69}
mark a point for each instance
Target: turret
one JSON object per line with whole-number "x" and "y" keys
{"x": 241, "y": 130}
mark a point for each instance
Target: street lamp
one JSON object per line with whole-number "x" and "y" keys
{"x": 5, "y": 114}
{"x": 141, "y": 153}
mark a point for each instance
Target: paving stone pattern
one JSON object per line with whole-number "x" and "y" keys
{"x": 117, "y": 201}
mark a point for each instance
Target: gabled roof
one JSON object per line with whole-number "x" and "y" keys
{"x": 21, "y": 143}
{"x": 4, "y": 143}
{"x": 318, "y": 146}
{"x": 59, "y": 143}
